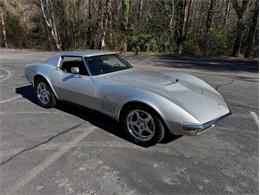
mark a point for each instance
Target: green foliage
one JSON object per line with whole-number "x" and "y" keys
{"x": 191, "y": 47}
{"x": 215, "y": 42}
{"x": 170, "y": 45}
{"x": 15, "y": 32}
{"x": 140, "y": 26}
{"x": 138, "y": 42}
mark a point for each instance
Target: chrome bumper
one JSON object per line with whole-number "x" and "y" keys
{"x": 195, "y": 129}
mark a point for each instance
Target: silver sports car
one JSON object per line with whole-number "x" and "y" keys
{"x": 147, "y": 103}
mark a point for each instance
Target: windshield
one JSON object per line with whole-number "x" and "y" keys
{"x": 106, "y": 64}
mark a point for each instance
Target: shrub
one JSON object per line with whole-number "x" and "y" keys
{"x": 191, "y": 47}
{"x": 215, "y": 42}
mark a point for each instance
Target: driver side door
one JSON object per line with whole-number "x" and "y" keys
{"x": 75, "y": 88}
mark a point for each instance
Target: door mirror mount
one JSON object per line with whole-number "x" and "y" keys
{"x": 74, "y": 70}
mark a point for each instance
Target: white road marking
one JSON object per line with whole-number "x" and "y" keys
{"x": 140, "y": 63}
{"x": 241, "y": 115}
{"x": 45, "y": 164}
{"x": 242, "y": 104}
{"x": 9, "y": 74}
{"x": 27, "y": 112}
{"x": 92, "y": 144}
{"x": 247, "y": 132}
{"x": 10, "y": 99}
{"x": 255, "y": 117}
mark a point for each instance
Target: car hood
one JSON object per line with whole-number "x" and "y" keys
{"x": 143, "y": 78}
{"x": 202, "y": 102}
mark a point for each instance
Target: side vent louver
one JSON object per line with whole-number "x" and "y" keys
{"x": 108, "y": 107}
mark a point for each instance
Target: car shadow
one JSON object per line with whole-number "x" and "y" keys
{"x": 95, "y": 118}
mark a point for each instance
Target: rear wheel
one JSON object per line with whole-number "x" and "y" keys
{"x": 44, "y": 94}
{"x": 142, "y": 126}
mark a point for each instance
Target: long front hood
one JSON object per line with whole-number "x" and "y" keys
{"x": 143, "y": 78}
{"x": 203, "y": 103}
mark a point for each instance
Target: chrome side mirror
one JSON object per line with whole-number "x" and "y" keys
{"x": 74, "y": 70}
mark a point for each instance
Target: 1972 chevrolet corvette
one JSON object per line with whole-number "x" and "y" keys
{"x": 146, "y": 103}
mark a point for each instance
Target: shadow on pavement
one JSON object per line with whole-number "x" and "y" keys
{"x": 209, "y": 63}
{"x": 95, "y": 118}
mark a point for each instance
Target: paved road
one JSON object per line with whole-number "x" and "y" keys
{"x": 68, "y": 150}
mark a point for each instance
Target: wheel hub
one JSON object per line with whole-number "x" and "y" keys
{"x": 141, "y": 125}
{"x": 43, "y": 93}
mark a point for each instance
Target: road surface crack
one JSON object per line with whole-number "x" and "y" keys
{"x": 39, "y": 144}
{"x": 224, "y": 84}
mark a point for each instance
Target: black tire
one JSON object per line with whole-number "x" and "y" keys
{"x": 52, "y": 99}
{"x": 159, "y": 130}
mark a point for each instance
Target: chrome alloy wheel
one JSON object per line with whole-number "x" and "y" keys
{"x": 141, "y": 125}
{"x": 43, "y": 93}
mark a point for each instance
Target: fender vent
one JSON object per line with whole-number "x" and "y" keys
{"x": 108, "y": 107}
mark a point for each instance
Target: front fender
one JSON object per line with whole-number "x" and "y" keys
{"x": 172, "y": 114}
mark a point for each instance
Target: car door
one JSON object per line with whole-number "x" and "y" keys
{"x": 75, "y": 88}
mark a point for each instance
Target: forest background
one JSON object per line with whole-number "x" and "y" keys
{"x": 189, "y": 27}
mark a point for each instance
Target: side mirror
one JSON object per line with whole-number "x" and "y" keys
{"x": 74, "y": 70}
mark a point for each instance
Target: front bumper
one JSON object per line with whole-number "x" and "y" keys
{"x": 195, "y": 129}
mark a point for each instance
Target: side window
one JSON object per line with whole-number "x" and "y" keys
{"x": 67, "y": 62}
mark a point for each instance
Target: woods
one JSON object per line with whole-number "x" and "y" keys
{"x": 194, "y": 27}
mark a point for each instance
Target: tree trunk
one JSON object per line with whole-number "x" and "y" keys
{"x": 89, "y": 38}
{"x": 102, "y": 24}
{"x": 240, "y": 10}
{"x": 109, "y": 15}
{"x": 105, "y": 17}
{"x": 252, "y": 31}
{"x": 3, "y": 27}
{"x": 171, "y": 28}
{"x": 172, "y": 17}
{"x": 187, "y": 18}
{"x": 209, "y": 22}
{"x": 182, "y": 14}
{"x": 180, "y": 49}
{"x": 239, "y": 36}
{"x": 50, "y": 22}
{"x": 125, "y": 7}
{"x": 210, "y": 15}
{"x": 199, "y": 19}
{"x": 227, "y": 9}
{"x": 49, "y": 38}
{"x": 140, "y": 11}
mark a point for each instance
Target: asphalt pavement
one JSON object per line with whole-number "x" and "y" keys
{"x": 71, "y": 150}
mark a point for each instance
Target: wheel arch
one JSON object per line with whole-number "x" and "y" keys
{"x": 40, "y": 76}
{"x": 145, "y": 104}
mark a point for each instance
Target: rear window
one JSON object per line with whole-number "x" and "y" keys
{"x": 53, "y": 60}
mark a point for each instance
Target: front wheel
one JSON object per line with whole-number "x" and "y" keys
{"x": 44, "y": 94}
{"x": 142, "y": 126}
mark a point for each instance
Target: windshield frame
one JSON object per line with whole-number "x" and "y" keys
{"x": 128, "y": 65}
